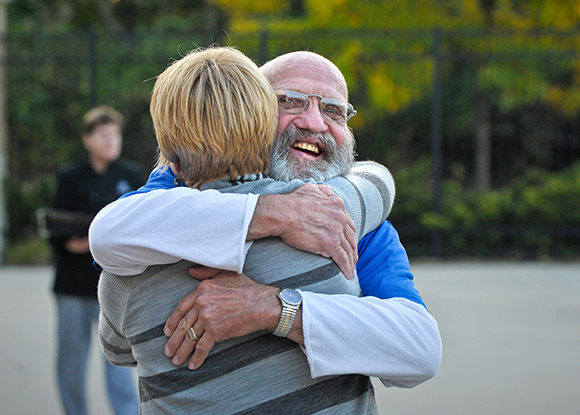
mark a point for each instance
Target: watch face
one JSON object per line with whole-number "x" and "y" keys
{"x": 291, "y": 296}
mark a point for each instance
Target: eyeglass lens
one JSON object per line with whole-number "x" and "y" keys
{"x": 296, "y": 102}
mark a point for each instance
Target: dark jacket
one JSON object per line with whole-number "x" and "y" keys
{"x": 81, "y": 189}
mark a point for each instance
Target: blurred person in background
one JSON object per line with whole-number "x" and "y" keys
{"x": 83, "y": 188}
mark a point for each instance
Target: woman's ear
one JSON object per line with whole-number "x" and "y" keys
{"x": 175, "y": 167}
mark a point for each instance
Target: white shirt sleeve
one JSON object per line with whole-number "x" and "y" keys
{"x": 131, "y": 233}
{"x": 395, "y": 340}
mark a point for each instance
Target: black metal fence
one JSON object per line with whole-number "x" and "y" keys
{"x": 482, "y": 107}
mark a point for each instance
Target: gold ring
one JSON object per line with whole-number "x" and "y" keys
{"x": 192, "y": 335}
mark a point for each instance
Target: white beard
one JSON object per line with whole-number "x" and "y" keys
{"x": 337, "y": 160}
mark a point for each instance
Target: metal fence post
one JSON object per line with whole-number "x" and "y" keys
{"x": 263, "y": 52}
{"x": 437, "y": 136}
{"x": 3, "y": 125}
{"x": 93, "y": 67}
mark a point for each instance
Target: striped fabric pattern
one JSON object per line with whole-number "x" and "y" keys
{"x": 255, "y": 374}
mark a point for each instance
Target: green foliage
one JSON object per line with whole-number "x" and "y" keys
{"x": 545, "y": 198}
{"x": 518, "y": 57}
{"x": 413, "y": 200}
{"x": 538, "y": 214}
{"x": 23, "y": 199}
{"x": 32, "y": 251}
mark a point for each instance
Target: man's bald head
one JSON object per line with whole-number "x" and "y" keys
{"x": 305, "y": 67}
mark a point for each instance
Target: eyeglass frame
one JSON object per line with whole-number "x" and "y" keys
{"x": 350, "y": 111}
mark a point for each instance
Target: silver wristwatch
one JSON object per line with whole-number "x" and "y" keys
{"x": 291, "y": 301}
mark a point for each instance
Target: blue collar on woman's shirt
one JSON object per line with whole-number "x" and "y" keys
{"x": 164, "y": 178}
{"x": 160, "y": 178}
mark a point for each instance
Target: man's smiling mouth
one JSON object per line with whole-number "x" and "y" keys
{"x": 307, "y": 147}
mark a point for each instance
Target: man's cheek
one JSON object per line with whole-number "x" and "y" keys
{"x": 284, "y": 121}
{"x": 339, "y": 135}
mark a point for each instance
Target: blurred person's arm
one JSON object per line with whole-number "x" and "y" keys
{"x": 64, "y": 200}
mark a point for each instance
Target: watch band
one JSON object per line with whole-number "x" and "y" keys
{"x": 288, "y": 315}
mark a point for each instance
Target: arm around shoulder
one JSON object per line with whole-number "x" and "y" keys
{"x": 312, "y": 218}
{"x": 166, "y": 226}
{"x": 368, "y": 192}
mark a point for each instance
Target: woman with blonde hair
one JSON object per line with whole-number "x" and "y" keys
{"x": 215, "y": 115}
{"x": 215, "y": 118}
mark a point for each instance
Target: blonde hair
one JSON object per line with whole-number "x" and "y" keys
{"x": 215, "y": 115}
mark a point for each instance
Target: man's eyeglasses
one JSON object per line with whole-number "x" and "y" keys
{"x": 334, "y": 109}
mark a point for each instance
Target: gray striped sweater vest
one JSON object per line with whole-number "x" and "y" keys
{"x": 255, "y": 374}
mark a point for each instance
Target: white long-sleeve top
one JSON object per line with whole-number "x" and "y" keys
{"x": 159, "y": 227}
{"x": 394, "y": 339}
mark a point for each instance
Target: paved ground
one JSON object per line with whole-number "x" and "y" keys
{"x": 511, "y": 335}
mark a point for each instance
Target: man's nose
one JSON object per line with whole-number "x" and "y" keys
{"x": 311, "y": 118}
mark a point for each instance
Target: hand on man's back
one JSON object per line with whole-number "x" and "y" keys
{"x": 313, "y": 218}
